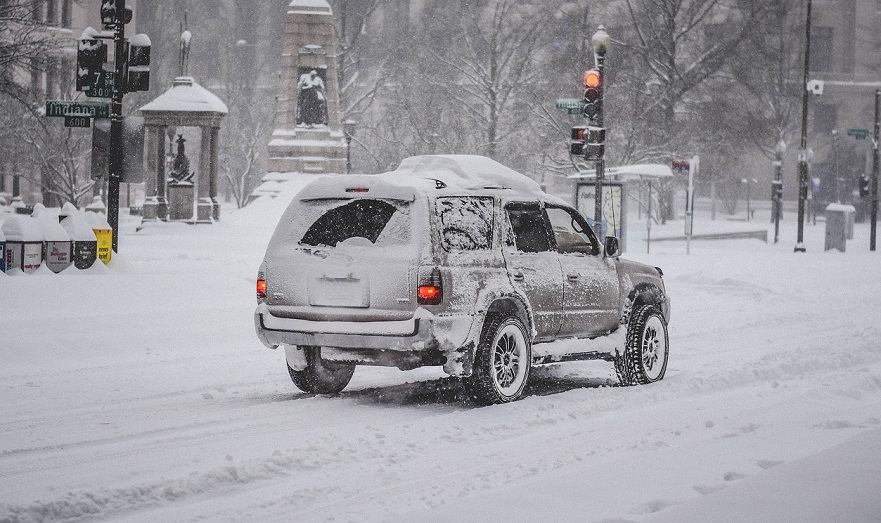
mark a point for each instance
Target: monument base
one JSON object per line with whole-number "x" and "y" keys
{"x": 180, "y": 202}
{"x": 307, "y": 150}
{"x": 204, "y": 211}
{"x": 155, "y": 208}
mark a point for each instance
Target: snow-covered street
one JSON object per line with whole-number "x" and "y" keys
{"x": 140, "y": 392}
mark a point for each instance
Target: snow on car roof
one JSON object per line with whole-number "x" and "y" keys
{"x": 467, "y": 172}
{"x": 420, "y": 174}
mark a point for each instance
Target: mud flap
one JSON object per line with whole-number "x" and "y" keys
{"x": 460, "y": 362}
{"x": 296, "y": 357}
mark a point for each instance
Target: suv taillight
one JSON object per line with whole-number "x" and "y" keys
{"x": 261, "y": 288}
{"x": 430, "y": 290}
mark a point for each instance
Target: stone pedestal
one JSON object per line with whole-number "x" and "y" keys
{"x": 180, "y": 202}
{"x": 299, "y": 144}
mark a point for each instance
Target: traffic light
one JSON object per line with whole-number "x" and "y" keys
{"x": 576, "y": 143}
{"x": 594, "y": 143}
{"x": 592, "y": 93}
{"x": 139, "y": 63}
{"x": 108, "y": 14}
{"x": 91, "y": 54}
{"x": 864, "y": 186}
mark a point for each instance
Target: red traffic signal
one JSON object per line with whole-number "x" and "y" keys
{"x": 679, "y": 165}
{"x": 592, "y": 95}
{"x": 592, "y": 79}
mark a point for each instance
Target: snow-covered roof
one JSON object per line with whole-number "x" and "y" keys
{"x": 310, "y": 7}
{"x": 186, "y": 95}
{"x": 417, "y": 174}
{"x": 466, "y": 172}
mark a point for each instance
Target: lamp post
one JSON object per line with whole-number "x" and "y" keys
{"x": 803, "y": 146}
{"x": 600, "y": 43}
{"x": 349, "y": 132}
{"x": 777, "y": 189}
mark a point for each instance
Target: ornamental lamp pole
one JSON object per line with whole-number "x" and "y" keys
{"x": 803, "y": 146}
{"x": 777, "y": 188}
{"x": 349, "y": 132}
{"x": 601, "y": 41}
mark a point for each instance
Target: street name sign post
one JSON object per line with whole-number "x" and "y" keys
{"x": 571, "y": 105}
{"x": 102, "y": 86}
{"x": 859, "y": 134}
{"x": 62, "y": 108}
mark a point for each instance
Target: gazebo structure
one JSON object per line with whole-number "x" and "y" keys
{"x": 186, "y": 104}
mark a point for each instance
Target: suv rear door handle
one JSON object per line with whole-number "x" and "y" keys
{"x": 517, "y": 274}
{"x": 572, "y": 276}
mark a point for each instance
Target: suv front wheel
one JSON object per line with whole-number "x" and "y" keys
{"x": 501, "y": 363}
{"x": 645, "y": 354}
{"x": 319, "y": 376}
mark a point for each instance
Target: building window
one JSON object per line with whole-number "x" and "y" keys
{"x": 821, "y": 49}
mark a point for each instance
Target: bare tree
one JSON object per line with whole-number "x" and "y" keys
{"x": 25, "y": 46}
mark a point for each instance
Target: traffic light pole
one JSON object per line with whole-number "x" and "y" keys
{"x": 116, "y": 154}
{"x": 875, "y": 167}
{"x": 601, "y": 161}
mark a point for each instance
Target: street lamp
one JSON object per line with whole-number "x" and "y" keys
{"x": 777, "y": 189}
{"x": 803, "y": 146}
{"x": 600, "y": 43}
{"x": 349, "y": 132}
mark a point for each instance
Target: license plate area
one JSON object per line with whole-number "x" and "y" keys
{"x": 339, "y": 292}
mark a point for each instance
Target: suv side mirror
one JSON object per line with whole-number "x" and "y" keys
{"x": 611, "y": 246}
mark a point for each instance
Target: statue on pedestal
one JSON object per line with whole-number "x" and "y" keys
{"x": 311, "y": 100}
{"x": 180, "y": 168}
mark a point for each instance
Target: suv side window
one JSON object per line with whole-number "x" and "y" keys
{"x": 529, "y": 227}
{"x": 571, "y": 232}
{"x": 466, "y": 222}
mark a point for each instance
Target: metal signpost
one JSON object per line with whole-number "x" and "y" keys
{"x": 873, "y": 206}
{"x": 131, "y": 72}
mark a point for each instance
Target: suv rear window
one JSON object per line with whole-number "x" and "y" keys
{"x": 375, "y": 220}
{"x": 466, "y": 222}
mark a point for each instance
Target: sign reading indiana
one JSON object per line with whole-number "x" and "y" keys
{"x": 62, "y": 108}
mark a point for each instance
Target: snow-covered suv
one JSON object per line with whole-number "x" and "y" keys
{"x": 453, "y": 261}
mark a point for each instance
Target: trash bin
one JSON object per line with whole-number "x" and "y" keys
{"x": 84, "y": 244}
{"x": 837, "y": 218}
{"x": 103, "y": 235}
{"x": 24, "y": 244}
{"x": 56, "y": 241}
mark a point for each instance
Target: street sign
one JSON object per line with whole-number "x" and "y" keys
{"x": 859, "y": 134}
{"x": 571, "y": 105}
{"x": 102, "y": 86}
{"x": 77, "y": 120}
{"x": 62, "y": 108}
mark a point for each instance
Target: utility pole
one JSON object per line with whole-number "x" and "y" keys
{"x": 875, "y": 174}
{"x": 116, "y": 155}
{"x": 595, "y": 137}
{"x": 803, "y": 146}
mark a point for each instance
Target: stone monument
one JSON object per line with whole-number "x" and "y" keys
{"x": 308, "y": 135}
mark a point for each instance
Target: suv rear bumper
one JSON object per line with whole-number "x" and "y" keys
{"x": 413, "y": 334}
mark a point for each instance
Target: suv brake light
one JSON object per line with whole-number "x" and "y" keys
{"x": 261, "y": 288}
{"x": 430, "y": 289}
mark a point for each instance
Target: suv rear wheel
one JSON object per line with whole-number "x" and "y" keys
{"x": 319, "y": 376}
{"x": 501, "y": 363}
{"x": 645, "y": 354}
